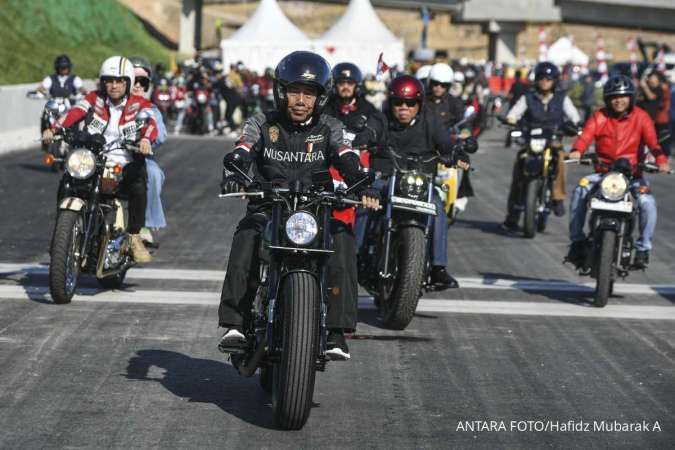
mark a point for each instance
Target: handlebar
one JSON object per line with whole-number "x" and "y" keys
{"x": 593, "y": 160}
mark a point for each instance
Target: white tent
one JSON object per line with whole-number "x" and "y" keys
{"x": 359, "y": 37}
{"x": 264, "y": 39}
{"x": 563, "y": 51}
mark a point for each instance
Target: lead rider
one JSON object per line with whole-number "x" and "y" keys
{"x": 285, "y": 145}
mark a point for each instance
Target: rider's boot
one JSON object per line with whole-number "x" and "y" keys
{"x": 440, "y": 278}
{"x": 139, "y": 253}
{"x": 232, "y": 339}
{"x": 641, "y": 259}
{"x": 577, "y": 253}
{"x": 336, "y": 343}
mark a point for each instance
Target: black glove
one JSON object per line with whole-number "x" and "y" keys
{"x": 231, "y": 183}
{"x": 356, "y": 123}
{"x": 470, "y": 145}
{"x": 233, "y": 159}
{"x": 365, "y": 138}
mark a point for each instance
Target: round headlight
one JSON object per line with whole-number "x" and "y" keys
{"x": 614, "y": 186}
{"x": 301, "y": 228}
{"x": 413, "y": 185}
{"x": 537, "y": 145}
{"x": 81, "y": 164}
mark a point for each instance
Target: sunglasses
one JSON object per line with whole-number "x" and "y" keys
{"x": 143, "y": 81}
{"x": 436, "y": 83}
{"x": 401, "y": 101}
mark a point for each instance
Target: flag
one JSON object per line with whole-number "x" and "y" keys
{"x": 382, "y": 67}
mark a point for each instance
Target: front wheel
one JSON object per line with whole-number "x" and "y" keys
{"x": 408, "y": 258}
{"x": 294, "y": 375}
{"x": 605, "y": 268}
{"x": 532, "y": 204}
{"x": 66, "y": 254}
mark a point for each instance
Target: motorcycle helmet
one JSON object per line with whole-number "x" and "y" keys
{"x": 348, "y": 71}
{"x": 547, "y": 70}
{"x": 616, "y": 86}
{"x": 117, "y": 67}
{"x": 423, "y": 73}
{"x": 302, "y": 67}
{"x": 441, "y": 73}
{"x": 142, "y": 62}
{"x": 62, "y": 62}
{"x": 406, "y": 87}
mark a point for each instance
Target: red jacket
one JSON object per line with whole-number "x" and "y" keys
{"x": 620, "y": 138}
{"x": 97, "y": 122}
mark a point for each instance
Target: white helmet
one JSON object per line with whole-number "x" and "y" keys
{"x": 441, "y": 73}
{"x": 459, "y": 77}
{"x": 423, "y": 72}
{"x": 117, "y": 67}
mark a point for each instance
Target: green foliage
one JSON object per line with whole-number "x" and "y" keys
{"x": 33, "y": 32}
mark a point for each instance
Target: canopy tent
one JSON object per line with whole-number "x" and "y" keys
{"x": 264, "y": 39}
{"x": 359, "y": 37}
{"x": 563, "y": 51}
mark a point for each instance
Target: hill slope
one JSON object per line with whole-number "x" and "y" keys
{"x": 33, "y": 32}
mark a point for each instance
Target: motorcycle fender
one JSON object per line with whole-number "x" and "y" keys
{"x": 608, "y": 223}
{"x": 72, "y": 204}
{"x": 533, "y": 165}
{"x": 411, "y": 223}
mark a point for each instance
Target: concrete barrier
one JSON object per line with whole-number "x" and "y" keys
{"x": 20, "y": 116}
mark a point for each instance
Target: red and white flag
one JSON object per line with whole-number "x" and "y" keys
{"x": 632, "y": 48}
{"x": 382, "y": 67}
{"x": 543, "y": 48}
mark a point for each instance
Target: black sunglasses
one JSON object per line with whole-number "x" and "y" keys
{"x": 437, "y": 83}
{"x": 400, "y": 101}
{"x": 143, "y": 81}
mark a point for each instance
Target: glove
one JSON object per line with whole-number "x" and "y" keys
{"x": 365, "y": 138}
{"x": 470, "y": 145}
{"x": 233, "y": 159}
{"x": 231, "y": 183}
{"x": 356, "y": 123}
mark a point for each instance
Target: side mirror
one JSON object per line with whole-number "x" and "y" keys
{"x": 469, "y": 111}
{"x": 570, "y": 129}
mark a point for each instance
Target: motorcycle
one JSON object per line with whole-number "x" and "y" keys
{"x": 612, "y": 220}
{"x": 162, "y": 97}
{"x": 449, "y": 178}
{"x": 89, "y": 235}
{"x": 539, "y": 169}
{"x": 55, "y": 107}
{"x": 198, "y": 110}
{"x": 286, "y": 329}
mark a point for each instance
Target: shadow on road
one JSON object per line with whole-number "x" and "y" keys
{"x": 487, "y": 226}
{"x": 370, "y": 317}
{"x": 205, "y": 381}
{"x": 37, "y": 168}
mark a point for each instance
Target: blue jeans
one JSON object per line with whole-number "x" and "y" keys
{"x": 439, "y": 229}
{"x": 154, "y": 212}
{"x": 646, "y": 207}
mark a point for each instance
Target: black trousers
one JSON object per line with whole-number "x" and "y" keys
{"x": 135, "y": 186}
{"x": 240, "y": 282}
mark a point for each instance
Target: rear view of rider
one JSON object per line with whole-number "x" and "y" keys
{"x": 283, "y": 146}
{"x": 410, "y": 132}
{"x": 111, "y": 112}
{"x": 543, "y": 107}
{"x": 62, "y": 83}
{"x": 619, "y": 130}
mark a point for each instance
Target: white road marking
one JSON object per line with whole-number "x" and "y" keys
{"x": 425, "y": 305}
{"x": 465, "y": 282}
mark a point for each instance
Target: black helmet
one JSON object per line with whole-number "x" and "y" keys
{"x": 546, "y": 70}
{"x": 302, "y": 67}
{"x": 142, "y": 63}
{"x": 62, "y": 62}
{"x": 348, "y": 71}
{"x": 616, "y": 86}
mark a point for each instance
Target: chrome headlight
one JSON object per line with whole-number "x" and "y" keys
{"x": 537, "y": 145}
{"x": 412, "y": 185}
{"x": 201, "y": 97}
{"x": 301, "y": 228}
{"x": 81, "y": 163}
{"x": 614, "y": 186}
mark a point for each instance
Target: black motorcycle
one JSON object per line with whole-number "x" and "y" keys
{"x": 89, "y": 235}
{"x": 55, "y": 107}
{"x": 286, "y": 329}
{"x": 539, "y": 169}
{"x": 612, "y": 219}
{"x": 394, "y": 266}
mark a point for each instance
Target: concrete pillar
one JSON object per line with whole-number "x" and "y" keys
{"x": 503, "y": 41}
{"x": 188, "y": 27}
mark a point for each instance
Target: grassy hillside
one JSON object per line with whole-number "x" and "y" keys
{"x": 33, "y": 32}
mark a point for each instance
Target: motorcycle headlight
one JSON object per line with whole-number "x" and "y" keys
{"x": 614, "y": 186}
{"x": 412, "y": 185}
{"x": 81, "y": 163}
{"x": 301, "y": 228}
{"x": 537, "y": 145}
{"x": 201, "y": 97}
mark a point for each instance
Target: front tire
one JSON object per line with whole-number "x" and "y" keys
{"x": 294, "y": 375}
{"x": 605, "y": 278}
{"x": 531, "y": 208}
{"x": 64, "y": 267}
{"x": 398, "y": 306}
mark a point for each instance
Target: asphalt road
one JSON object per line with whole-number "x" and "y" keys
{"x": 515, "y": 358}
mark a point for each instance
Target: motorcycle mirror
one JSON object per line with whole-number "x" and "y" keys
{"x": 469, "y": 111}
{"x": 516, "y": 134}
{"x": 570, "y": 129}
{"x": 323, "y": 179}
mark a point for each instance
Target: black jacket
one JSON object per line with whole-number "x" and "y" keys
{"x": 425, "y": 138}
{"x": 282, "y": 152}
{"x": 364, "y": 124}
{"x": 448, "y": 109}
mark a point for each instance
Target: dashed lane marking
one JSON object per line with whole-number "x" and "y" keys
{"x": 425, "y": 305}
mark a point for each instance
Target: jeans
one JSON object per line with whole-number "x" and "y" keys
{"x": 646, "y": 207}
{"x": 154, "y": 212}
{"x": 439, "y": 228}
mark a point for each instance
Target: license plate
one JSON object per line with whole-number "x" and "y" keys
{"x": 623, "y": 206}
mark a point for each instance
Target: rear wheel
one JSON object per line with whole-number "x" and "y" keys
{"x": 294, "y": 375}
{"x": 400, "y": 294}
{"x": 605, "y": 279}
{"x": 64, "y": 267}
{"x": 532, "y": 203}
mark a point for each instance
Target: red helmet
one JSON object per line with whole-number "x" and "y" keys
{"x": 406, "y": 87}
